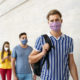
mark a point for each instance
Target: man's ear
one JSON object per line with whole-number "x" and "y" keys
{"x": 19, "y": 38}
{"x": 48, "y": 21}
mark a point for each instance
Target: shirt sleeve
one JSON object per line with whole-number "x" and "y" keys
{"x": 38, "y": 44}
{"x": 31, "y": 49}
{"x": 71, "y": 47}
{"x": 14, "y": 55}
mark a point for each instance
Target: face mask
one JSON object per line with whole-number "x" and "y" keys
{"x": 24, "y": 42}
{"x": 56, "y": 26}
{"x": 6, "y": 49}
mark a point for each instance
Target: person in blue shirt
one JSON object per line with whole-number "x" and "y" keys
{"x": 20, "y": 65}
{"x": 61, "y": 59}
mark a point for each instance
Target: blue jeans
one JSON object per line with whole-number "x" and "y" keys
{"x": 24, "y": 76}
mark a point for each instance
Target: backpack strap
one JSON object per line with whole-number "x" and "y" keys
{"x": 46, "y": 58}
{"x": 47, "y": 40}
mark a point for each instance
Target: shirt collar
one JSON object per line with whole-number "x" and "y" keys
{"x": 50, "y": 35}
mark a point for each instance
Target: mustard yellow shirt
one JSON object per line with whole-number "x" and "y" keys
{"x": 6, "y": 64}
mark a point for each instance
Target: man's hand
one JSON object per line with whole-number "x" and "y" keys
{"x": 45, "y": 48}
{"x": 15, "y": 78}
{"x": 35, "y": 56}
{"x": 34, "y": 77}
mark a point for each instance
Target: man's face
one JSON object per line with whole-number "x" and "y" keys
{"x": 23, "y": 37}
{"x": 54, "y": 18}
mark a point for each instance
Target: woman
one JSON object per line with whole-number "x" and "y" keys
{"x": 5, "y": 61}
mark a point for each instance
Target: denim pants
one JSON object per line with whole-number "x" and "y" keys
{"x": 24, "y": 76}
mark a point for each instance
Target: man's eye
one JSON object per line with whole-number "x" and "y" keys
{"x": 24, "y": 38}
{"x": 57, "y": 19}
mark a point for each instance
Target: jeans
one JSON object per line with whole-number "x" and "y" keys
{"x": 24, "y": 76}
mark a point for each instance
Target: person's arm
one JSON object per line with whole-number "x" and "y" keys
{"x": 9, "y": 58}
{"x": 3, "y": 59}
{"x": 13, "y": 68}
{"x": 35, "y": 56}
{"x": 34, "y": 76}
{"x": 73, "y": 68}
{"x": 13, "y": 60}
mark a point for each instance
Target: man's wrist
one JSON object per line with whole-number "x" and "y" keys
{"x": 43, "y": 53}
{"x": 14, "y": 74}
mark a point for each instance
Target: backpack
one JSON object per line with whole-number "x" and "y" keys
{"x": 37, "y": 67}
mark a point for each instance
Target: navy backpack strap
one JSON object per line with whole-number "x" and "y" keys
{"x": 47, "y": 40}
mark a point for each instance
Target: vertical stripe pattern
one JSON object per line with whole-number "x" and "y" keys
{"x": 58, "y": 57}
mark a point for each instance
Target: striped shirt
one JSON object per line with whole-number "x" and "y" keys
{"x": 58, "y": 57}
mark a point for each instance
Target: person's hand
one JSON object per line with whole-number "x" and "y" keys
{"x": 45, "y": 48}
{"x": 6, "y": 57}
{"x": 3, "y": 60}
{"x": 34, "y": 77}
{"x": 9, "y": 58}
{"x": 15, "y": 78}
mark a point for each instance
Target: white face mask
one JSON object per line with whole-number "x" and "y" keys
{"x": 6, "y": 49}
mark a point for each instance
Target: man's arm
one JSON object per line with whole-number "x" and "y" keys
{"x": 35, "y": 56}
{"x": 34, "y": 76}
{"x": 13, "y": 68}
{"x": 73, "y": 68}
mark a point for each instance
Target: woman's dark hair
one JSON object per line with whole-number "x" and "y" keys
{"x": 2, "y": 53}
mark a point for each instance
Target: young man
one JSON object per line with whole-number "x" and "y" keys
{"x": 61, "y": 57}
{"x": 21, "y": 70}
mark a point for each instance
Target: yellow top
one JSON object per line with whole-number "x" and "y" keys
{"x": 6, "y": 64}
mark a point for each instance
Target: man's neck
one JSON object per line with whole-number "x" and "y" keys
{"x": 23, "y": 46}
{"x": 56, "y": 34}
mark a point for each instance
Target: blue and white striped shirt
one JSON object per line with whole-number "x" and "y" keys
{"x": 58, "y": 57}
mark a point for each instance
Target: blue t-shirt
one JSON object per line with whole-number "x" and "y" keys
{"x": 21, "y": 55}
